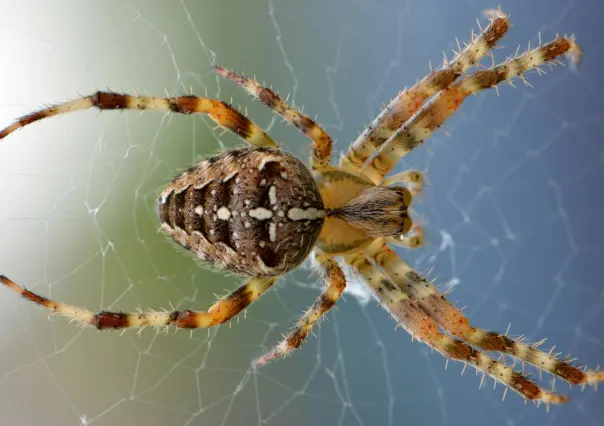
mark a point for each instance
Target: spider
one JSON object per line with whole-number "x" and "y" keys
{"x": 260, "y": 212}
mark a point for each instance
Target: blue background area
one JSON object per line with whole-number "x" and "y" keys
{"x": 512, "y": 214}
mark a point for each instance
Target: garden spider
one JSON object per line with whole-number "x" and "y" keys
{"x": 260, "y": 212}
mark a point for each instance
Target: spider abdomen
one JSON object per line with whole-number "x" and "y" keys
{"x": 254, "y": 211}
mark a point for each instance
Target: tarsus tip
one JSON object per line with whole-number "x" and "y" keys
{"x": 575, "y": 53}
{"x": 497, "y": 13}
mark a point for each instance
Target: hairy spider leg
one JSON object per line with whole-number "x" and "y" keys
{"x": 423, "y": 328}
{"x": 407, "y": 102}
{"x": 433, "y": 114}
{"x": 222, "y": 311}
{"x": 223, "y": 114}
{"x": 336, "y": 282}
{"x": 322, "y": 144}
{"x": 452, "y": 320}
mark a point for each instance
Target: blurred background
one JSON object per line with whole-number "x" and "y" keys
{"x": 513, "y": 213}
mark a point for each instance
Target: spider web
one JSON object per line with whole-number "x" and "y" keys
{"x": 513, "y": 213}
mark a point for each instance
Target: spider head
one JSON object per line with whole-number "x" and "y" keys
{"x": 379, "y": 211}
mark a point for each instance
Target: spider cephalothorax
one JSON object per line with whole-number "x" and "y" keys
{"x": 259, "y": 211}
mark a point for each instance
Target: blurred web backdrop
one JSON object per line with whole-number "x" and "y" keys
{"x": 513, "y": 213}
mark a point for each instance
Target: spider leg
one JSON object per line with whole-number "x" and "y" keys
{"x": 433, "y": 114}
{"x": 322, "y": 144}
{"x": 407, "y": 102}
{"x": 412, "y": 179}
{"x": 454, "y": 321}
{"x": 412, "y": 239}
{"x": 408, "y": 177}
{"x": 222, "y": 311}
{"x": 223, "y": 114}
{"x": 422, "y": 327}
{"x": 336, "y": 282}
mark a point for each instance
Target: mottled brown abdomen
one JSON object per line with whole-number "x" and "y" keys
{"x": 254, "y": 211}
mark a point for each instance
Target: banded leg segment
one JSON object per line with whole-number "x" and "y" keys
{"x": 451, "y": 319}
{"x": 423, "y": 328}
{"x": 223, "y": 114}
{"x": 222, "y": 311}
{"x": 322, "y": 144}
{"x": 336, "y": 282}
{"x": 407, "y": 102}
{"x": 432, "y": 115}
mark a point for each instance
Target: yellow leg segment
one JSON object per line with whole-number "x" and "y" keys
{"x": 433, "y": 115}
{"x": 322, "y": 144}
{"x": 222, "y": 311}
{"x": 451, "y": 319}
{"x": 423, "y": 328}
{"x": 408, "y": 102}
{"x": 223, "y": 114}
{"x": 336, "y": 282}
